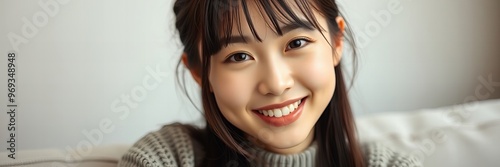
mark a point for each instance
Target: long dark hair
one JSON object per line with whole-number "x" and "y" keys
{"x": 205, "y": 22}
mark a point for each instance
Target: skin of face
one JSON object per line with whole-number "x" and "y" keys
{"x": 252, "y": 74}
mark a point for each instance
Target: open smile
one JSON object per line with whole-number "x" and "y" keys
{"x": 282, "y": 114}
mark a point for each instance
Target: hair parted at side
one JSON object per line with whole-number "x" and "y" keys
{"x": 206, "y": 22}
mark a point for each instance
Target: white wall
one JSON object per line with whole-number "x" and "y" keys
{"x": 74, "y": 70}
{"x": 421, "y": 54}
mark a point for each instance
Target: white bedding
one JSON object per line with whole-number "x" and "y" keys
{"x": 466, "y": 135}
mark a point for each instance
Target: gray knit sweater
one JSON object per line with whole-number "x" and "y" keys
{"x": 171, "y": 146}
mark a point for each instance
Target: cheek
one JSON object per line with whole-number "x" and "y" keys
{"x": 317, "y": 71}
{"x": 232, "y": 91}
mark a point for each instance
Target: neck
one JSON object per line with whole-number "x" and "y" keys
{"x": 300, "y": 147}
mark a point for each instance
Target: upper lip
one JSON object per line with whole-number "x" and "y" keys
{"x": 279, "y": 105}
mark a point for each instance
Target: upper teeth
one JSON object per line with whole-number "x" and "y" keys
{"x": 279, "y": 112}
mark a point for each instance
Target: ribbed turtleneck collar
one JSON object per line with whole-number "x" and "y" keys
{"x": 305, "y": 158}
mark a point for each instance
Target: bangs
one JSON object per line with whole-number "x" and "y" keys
{"x": 224, "y": 15}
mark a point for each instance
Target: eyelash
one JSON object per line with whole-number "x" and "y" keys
{"x": 307, "y": 40}
{"x": 231, "y": 58}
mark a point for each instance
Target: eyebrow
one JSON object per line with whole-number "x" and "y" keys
{"x": 285, "y": 29}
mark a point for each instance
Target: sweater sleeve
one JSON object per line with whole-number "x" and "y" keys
{"x": 378, "y": 155}
{"x": 168, "y": 147}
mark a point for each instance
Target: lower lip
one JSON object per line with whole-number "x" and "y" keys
{"x": 284, "y": 120}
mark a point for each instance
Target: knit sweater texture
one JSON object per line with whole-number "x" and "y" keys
{"x": 172, "y": 146}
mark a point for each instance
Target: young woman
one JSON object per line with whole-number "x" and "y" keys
{"x": 272, "y": 88}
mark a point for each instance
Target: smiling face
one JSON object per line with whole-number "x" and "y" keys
{"x": 275, "y": 89}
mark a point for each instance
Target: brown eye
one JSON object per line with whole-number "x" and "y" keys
{"x": 239, "y": 57}
{"x": 297, "y": 43}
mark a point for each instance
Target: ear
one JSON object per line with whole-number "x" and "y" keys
{"x": 339, "y": 41}
{"x": 194, "y": 74}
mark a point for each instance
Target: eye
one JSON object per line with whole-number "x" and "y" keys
{"x": 238, "y": 57}
{"x": 297, "y": 43}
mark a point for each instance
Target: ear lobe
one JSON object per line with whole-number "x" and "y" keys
{"x": 339, "y": 40}
{"x": 193, "y": 72}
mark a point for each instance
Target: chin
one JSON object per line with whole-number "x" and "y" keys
{"x": 286, "y": 141}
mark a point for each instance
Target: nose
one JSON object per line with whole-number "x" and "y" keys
{"x": 276, "y": 79}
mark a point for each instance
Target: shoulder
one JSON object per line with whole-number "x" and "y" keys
{"x": 379, "y": 155}
{"x": 172, "y": 145}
